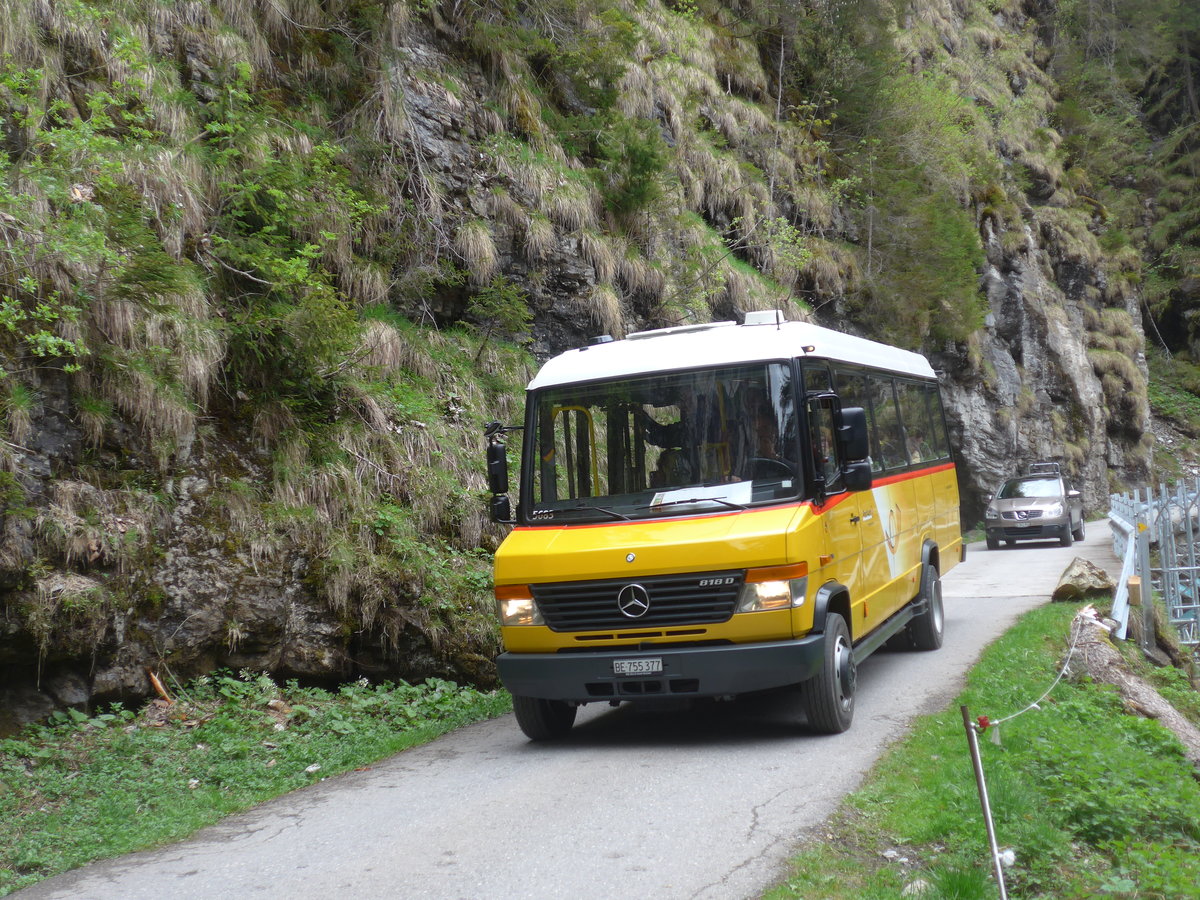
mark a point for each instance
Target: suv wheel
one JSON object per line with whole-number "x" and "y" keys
{"x": 1078, "y": 533}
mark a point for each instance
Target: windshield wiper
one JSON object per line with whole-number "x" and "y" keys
{"x": 720, "y": 500}
{"x": 583, "y": 507}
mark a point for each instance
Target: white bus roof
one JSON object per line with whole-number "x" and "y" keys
{"x": 764, "y": 336}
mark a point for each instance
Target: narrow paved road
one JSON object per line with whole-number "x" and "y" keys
{"x": 670, "y": 803}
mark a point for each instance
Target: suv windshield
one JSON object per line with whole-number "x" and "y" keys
{"x": 1030, "y": 487}
{"x": 699, "y": 441}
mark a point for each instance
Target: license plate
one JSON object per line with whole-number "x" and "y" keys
{"x": 637, "y": 666}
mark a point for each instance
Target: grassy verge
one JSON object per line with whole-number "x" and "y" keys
{"x": 86, "y": 788}
{"x": 1093, "y": 801}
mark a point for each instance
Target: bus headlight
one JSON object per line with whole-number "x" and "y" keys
{"x": 776, "y": 587}
{"x": 516, "y": 606}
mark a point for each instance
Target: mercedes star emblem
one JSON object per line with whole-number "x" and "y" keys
{"x": 633, "y": 601}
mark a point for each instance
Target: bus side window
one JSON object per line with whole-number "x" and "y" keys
{"x": 852, "y": 391}
{"x": 937, "y": 434}
{"x": 914, "y": 417}
{"x": 826, "y": 465}
{"x": 816, "y": 378}
{"x": 887, "y": 422}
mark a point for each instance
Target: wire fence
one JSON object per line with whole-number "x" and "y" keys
{"x": 1157, "y": 535}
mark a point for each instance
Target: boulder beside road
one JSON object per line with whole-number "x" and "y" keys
{"x": 1082, "y": 579}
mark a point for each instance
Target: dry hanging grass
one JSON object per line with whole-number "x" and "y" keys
{"x": 571, "y": 206}
{"x": 603, "y": 307}
{"x": 477, "y": 250}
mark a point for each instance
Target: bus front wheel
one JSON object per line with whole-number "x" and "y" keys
{"x": 543, "y": 720}
{"x": 829, "y": 695}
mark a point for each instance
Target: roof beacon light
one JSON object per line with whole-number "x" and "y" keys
{"x": 765, "y": 317}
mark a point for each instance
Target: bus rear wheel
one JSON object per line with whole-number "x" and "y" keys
{"x": 927, "y": 628}
{"x": 829, "y": 695}
{"x": 543, "y": 720}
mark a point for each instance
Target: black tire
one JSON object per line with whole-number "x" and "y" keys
{"x": 543, "y": 720}
{"x": 1081, "y": 532}
{"x": 926, "y": 630}
{"x": 829, "y": 695}
{"x": 993, "y": 543}
{"x": 1065, "y": 539}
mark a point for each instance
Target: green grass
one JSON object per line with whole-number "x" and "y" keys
{"x": 1174, "y": 389}
{"x": 86, "y": 788}
{"x": 1094, "y": 802}
{"x": 1174, "y": 393}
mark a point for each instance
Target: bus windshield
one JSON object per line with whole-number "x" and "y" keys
{"x": 668, "y": 444}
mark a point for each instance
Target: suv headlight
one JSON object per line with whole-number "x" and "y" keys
{"x": 1054, "y": 509}
{"x": 991, "y": 512}
{"x": 773, "y": 587}
{"x": 515, "y": 605}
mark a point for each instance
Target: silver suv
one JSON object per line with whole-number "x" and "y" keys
{"x": 1036, "y": 506}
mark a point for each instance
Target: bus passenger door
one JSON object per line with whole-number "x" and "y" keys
{"x": 840, "y": 511}
{"x": 871, "y": 604}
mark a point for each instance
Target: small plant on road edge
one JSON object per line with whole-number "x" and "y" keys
{"x": 91, "y": 787}
{"x": 1093, "y": 801}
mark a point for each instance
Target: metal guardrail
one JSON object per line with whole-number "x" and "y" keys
{"x": 1125, "y": 547}
{"x": 1167, "y": 522}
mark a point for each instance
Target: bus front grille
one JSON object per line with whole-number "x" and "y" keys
{"x": 699, "y": 598}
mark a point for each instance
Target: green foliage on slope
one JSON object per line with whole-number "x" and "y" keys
{"x": 193, "y": 238}
{"x": 322, "y": 232}
{"x": 1130, "y": 73}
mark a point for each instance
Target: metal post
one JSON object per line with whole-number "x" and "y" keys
{"x": 1143, "y": 541}
{"x": 1168, "y": 552}
{"x": 977, "y": 763}
{"x": 1135, "y": 599}
{"x": 1193, "y": 510}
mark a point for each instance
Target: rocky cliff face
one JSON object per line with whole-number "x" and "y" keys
{"x": 1041, "y": 392}
{"x": 245, "y": 535}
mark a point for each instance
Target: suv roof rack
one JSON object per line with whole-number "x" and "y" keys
{"x": 1045, "y": 468}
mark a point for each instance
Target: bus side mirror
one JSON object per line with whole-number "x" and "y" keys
{"x": 857, "y": 475}
{"x": 497, "y": 466}
{"x": 852, "y": 435}
{"x": 501, "y": 509}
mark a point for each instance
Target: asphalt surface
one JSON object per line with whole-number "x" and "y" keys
{"x": 671, "y": 802}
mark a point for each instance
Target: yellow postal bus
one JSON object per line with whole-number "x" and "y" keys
{"x": 715, "y": 509}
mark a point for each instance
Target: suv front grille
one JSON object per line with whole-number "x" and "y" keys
{"x": 698, "y": 598}
{"x": 1024, "y": 514}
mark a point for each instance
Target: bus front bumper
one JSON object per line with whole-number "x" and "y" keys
{"x": 653, "y": 672}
